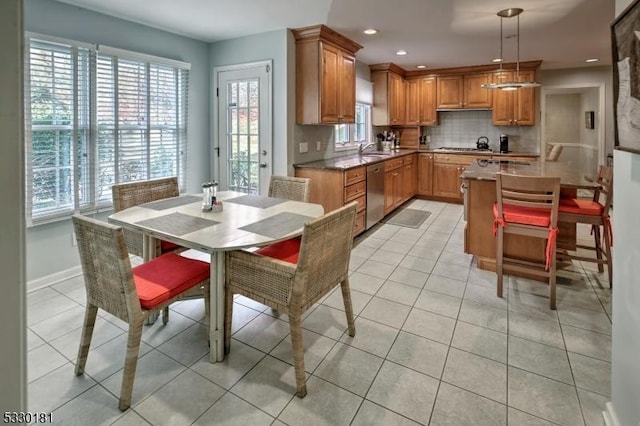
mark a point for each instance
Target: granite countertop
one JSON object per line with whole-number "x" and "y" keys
{"x": 482, "y": 153}
{"x": 487, "y": 169}
{"x": 355, "y": 160}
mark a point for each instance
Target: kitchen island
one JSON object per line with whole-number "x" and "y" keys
{"x": 480, "y": 195}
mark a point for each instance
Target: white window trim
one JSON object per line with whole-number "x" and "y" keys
{"x": 352, "y": 144}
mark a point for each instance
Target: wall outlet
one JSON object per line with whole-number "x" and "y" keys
{"x": 304, "y": 147}
{"x": 74, "y": 243}
{"x": 318, "y": 145}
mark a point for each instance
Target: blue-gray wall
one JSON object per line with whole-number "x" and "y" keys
{"x": 275, "y": 46}
{"x": 49, "y": 248}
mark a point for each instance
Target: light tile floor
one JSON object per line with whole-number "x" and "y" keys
{"x": 434, "y": 345}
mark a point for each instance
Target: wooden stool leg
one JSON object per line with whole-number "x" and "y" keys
{"x": 499, "y": 259}
{"x": 552, "y": 280}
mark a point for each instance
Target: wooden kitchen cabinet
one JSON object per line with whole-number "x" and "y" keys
{"x": 409, "y": 178}
{"x": 447, "y": 169}
{"x": 325, "y": 76}
{"x": 463, "y": 91}
{"x": 514, "y": 107}
{"x": 351, "y": 182}
{"x": 393, "y": 180}
{"x": 425, "y": 174}
{"x": 388, "y": 97}
{"x": 421, "y": 101}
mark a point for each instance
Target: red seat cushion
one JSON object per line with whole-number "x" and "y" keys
{"x": 167, "y": 246}
{"x": 580, "y": 206}
{"x": 166, "y": 276}
{"x": 523, "y": 215}
{"x": 287, "y": 250}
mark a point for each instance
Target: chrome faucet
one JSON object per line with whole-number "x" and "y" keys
{"x": 364, "y": 146}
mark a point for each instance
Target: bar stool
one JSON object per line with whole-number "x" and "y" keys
{"x": 527, "y": 206}
{"x": 596, "y": 214}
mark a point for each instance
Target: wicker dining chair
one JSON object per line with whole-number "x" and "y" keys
{"x": 291, "y": 279}
{"x": 131, "y": 194}
{"x": 290, "y": 188}
{"x": 130, "y": 294}
{"x": 527, "y": 206}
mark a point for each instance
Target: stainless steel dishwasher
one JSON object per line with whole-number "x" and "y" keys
{"x": 375, "y": 194}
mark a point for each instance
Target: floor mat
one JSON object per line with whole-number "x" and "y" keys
{"x": 411, "y": 218}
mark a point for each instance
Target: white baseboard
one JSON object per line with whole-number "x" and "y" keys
{"x": 609, "y": 415}
{"x": 54, "y": 278}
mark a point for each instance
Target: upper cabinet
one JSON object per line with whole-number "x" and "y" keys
{"x": 514, "y": 107}
{"x": 325, "y": 76}
{"x": 389, "y": 101}
{"x": 421, "y": 101}
{"x": 463, "y": 91}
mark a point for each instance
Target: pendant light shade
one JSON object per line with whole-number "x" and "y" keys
{"x": 516, "y": 84}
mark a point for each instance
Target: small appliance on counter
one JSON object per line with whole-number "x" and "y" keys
{"x": 482, "y": 143}
{"x": 504, "y": 144}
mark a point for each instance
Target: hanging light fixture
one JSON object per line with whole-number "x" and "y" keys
{"x": 516, "y": 84}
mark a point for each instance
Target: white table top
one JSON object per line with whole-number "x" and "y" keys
{"x": 226, "y": 234}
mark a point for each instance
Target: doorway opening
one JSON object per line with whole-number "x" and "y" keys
{"x": 573, "y": 123}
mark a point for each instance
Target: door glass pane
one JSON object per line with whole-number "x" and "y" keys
{"x": 242, "y": 136}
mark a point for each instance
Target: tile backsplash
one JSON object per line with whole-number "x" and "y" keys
{"x": 463, "y": 128}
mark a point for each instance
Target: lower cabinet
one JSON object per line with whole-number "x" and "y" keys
{"x": 400, "y": 178}
{"x": 447, "y": 169}
{"x": 425, "y": 174}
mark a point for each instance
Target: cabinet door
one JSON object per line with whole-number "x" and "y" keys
{"x": 425, "y": 172}
{"x": 413, "y": 101}
{"x": 446, "y": 180}
{"x": 427, "y": 99}
{"x": 525, "y": 102}
{"x": 408, "y": 187}
{"x": 502, "y": 101}
{"x": 474, "y": 95}
{"x": 450, "y": 91}
{"x": 389, "y": 190}
{"x": 396, "y": 99}
{"x": 329, "y": 99}
{"x": 347, "y": 85}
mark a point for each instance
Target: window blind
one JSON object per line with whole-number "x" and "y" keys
{"x": 96, "y": 119}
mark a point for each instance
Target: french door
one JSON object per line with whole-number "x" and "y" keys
{"x": 244, "y": 146}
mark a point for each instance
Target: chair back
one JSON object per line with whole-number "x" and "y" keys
{"x": 605, "y": 179}
{"x": 325, "y": 252}
{"x": 131, "y": 194}
{"x": 108, "y": 277}
{"x": 290, "y": 188}
{"x": 534, "y": 192}
{"x": 555, "y": 153}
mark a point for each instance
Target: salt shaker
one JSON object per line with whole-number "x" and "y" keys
{"x": 207, "y": 193}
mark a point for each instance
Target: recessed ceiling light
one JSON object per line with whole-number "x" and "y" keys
{"x": 370, "y": 31}
{"x": 401, "y": 52}
{"x": 497, "y": 60}
{"x": 592, "y": 60}
{"x": 421, "y": 66}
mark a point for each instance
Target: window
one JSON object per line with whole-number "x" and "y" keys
{"x": 350, "y": 135}
{"x": 96, "y": 117}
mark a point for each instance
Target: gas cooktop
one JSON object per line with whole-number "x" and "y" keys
{"x": 456, "y": 148}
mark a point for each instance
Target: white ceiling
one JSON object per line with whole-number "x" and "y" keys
{"x": 436, "y": 33}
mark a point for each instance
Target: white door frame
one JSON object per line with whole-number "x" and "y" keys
{"x": 215, "y": 129}
{"x": 599, "y": 119}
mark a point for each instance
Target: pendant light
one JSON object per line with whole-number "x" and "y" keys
{"x": 511, "y": 85}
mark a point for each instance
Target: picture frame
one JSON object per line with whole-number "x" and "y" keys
{"x": 625, "y": 48}
{"x": 588, "y": 119}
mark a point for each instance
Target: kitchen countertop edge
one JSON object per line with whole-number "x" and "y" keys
{"x": 355, "y": 160}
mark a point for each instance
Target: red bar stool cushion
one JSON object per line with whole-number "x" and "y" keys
{"x": 287, "y": 250}
{"x": 580, "y": 206}
{"x": 166, "y": 276}
{"x": 523, "y": 215}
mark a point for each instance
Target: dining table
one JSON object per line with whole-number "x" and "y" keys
{"x": 240, "y": 221}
